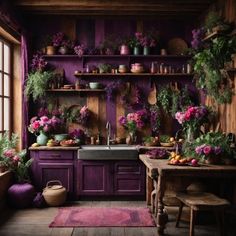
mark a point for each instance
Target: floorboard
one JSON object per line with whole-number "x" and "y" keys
{"x": 34, "y": 222}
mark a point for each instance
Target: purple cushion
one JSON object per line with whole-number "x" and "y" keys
{"x": 21, "y": 195}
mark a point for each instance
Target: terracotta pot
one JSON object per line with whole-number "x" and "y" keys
{"x": 50, "y": 50}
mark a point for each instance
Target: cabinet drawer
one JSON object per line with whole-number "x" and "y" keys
{"x": 127, "y": 168}
{"x": 56, "y": 155}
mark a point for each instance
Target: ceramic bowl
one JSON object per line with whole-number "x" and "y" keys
{"x": 94, "y": 85}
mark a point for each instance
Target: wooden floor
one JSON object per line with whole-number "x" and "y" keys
{"x": 34, "y": 222}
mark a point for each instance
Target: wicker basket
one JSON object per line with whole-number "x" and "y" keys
{"x": 54, "y": 195}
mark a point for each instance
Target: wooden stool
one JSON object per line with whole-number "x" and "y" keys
{"x": 202, "y": 201}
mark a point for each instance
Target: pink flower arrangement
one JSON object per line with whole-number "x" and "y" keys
{"x": 194, "y": 116}
{"x": 44, "y": 124}
{"x": 84, "y": 115}
{"x": 134, "y": 121}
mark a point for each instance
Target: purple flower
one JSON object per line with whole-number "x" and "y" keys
{"x": 79, "y": 50}
{"x": 77, "y": 134}
{"x": 217, "y": 150}
{"x": 38, "y": 62}
{"x": 198, "y": 150}
{"x": 122, "y": 120}
{"x": 57, "y": 39}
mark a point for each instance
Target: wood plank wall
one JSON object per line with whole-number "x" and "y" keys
{"x": 227, "y": 113}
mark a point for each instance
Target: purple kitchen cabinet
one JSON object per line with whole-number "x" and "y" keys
{"x": 94, "y": 178}
{"x": 129, "y": 178}
{"x": 53, "y": 165}
{"x": 110, "y": 178}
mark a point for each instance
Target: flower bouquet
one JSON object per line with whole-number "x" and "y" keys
{"x": 192, "y": 119}
{"x": 212, "y": 148}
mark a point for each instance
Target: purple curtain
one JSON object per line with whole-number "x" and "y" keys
{"x": 24, "y": 67}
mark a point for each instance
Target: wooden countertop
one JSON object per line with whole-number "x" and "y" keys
{"x": 46, "y": 148}
{"x": 161, "y": 167}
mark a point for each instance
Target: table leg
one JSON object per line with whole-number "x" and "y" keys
{"x": 162, "y": 217}
{"x": 149, "y": 187}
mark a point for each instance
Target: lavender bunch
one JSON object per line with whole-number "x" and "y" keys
{"x": 79, "y": 50}
{"x": 84, "y": 116}
{"x": 155, "y": 119}
{"x": 57, "y": 39}
{"x": 197, "y": 35}
{"x": 38, "y": 62}
{"x": 111, "y": 89}
{"x": 157, "y": 153}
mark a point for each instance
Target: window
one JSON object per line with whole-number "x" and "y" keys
{"x": 5, "y": 86}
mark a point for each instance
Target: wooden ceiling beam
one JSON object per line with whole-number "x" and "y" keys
{"x": 131, "y": 7}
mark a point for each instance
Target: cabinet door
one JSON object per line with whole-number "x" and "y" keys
{"x": 55, "y": 171}
{"x": 129, "y": 178}
{"x": 94, "y": 178}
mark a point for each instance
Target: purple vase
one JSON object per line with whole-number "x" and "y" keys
{"x": 21, "y": 195}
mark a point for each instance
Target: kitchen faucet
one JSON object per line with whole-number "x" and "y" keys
{"x": 108, "y": 127}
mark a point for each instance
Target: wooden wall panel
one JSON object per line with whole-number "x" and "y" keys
{"x": 93, "y": 105}
{"x": 227, "y": 112}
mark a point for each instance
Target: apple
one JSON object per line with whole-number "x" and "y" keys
{"x": 194, "y": 162}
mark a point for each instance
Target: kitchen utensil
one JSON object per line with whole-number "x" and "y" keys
{"x": 152, "y": 96}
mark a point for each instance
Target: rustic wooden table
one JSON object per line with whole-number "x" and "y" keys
{"x": 160, "y": 170}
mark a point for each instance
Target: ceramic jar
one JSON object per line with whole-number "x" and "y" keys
{"x": 50, "y": 50}
{"x": 124, "y": 50}
{"x": 122, "y": 69}
{"x": 136, "y": 50}
{"x": 63, "y": 50}
{"x": 42, "y": 139}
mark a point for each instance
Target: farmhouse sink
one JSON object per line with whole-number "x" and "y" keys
{"x": 104, "y": 152}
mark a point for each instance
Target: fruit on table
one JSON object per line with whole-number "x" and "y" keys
{"x": 194, "y": 162}
{"x": 177, "y": 159}
{"x": 35, "y": 145}
{"x": 52, "y": 142}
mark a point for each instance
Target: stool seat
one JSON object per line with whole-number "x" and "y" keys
{"x": 202, "y": 201}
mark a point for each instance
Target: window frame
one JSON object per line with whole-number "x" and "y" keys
{"x": 4, "y": 41}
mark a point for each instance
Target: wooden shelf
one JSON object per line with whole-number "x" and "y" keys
{"x": 131, "y": 74}
{"x": 231, "y": 70}
{"x": 75, "y": 90}
{"x": 120, "y": 56}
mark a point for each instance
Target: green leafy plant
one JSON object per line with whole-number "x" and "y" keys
{"x": 164, "y": 138}
{"x": 172, "y": 100}
{"x": 37, "y": 84}
{"x": 104, "y": 68}
{"x": 209, "y": 69}
{"x": 212, "y": 20}
{"x": 15, "y": 161}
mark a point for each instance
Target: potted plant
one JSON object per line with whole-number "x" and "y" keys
{"x": 210, "y": 74}
{"x": 132, "y": 122}
{"x": 146, "y": 41}
{"x": 212, "y": 148}
{"x": 104, "y": 68}
{"x": 192, "y": 119}
{"x": 38, "y": 79}
{"x": 7, "y": 151}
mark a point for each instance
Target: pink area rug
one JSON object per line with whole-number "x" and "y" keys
{"x": 102, "y": 217}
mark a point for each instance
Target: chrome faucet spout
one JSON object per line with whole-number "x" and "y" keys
{"x": 108, "y": 127}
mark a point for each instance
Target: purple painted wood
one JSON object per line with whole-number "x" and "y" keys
{"x": 111, "y": 178}
{"x": 53, "y": 168}
{"x": 94, "y": 178}
{"x": 129, "y": 178}
{"x": 56, "y": 155}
